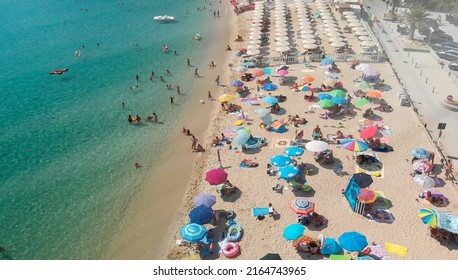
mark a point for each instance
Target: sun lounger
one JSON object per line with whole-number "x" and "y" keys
{"x": 260, "y": 211}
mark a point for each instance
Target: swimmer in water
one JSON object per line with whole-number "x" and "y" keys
{"x": 77, "y": 53}
{"x": 134, "y": 87}
{"x": 58, "y": 71}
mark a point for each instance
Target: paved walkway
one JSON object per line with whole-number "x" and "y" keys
{"x": 425, "y": 81}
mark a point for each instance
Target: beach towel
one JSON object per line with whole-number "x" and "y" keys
{"x": 340, "y": 257}
{"x": 396, "y": 249}
{"x": 260, "y": 211}
{"x": 378, "y": 252}
{"x": 281, "y": 143}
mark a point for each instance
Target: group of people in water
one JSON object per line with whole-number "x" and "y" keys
{"x": 138, "y": 119}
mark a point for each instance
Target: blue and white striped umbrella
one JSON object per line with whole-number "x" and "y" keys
{"x": 280, "y": 160}
{"x": 288, "y": 172}
{"x": 420, "y": 153}
{"x": 294, "y": 151}
{"x": 193, "y": 232}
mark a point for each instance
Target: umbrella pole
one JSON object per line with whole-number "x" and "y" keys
{"x": 219, "y": 159}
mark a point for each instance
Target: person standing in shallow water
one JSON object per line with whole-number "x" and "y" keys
{"x": 171, "y": 99}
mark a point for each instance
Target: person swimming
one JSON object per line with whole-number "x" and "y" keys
{"x": 58, "y": 71}
{"x": 77, "y": 53}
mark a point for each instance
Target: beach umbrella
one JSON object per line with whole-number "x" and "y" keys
{"x": 348, "y": 13}
{"x": 367, "y": 196}
{"x": 193, "y": 232}
{"x": 310, "y": 46}
{"x": 323, "y": 96}
{"x": 337, "y": 44}
{"x": 242, "y": 138}
{"x": 362, "y": 33}
{"x": 358, "y": 28}
{"x": 306, "y": 31}
{"x": 367, "y": 44}
{"x": 302, "y": 206}
{"x": 326, "y": 103}
{"x": 428, "y": 217}
{"x": 424, "y": 181}
{"x": 308, "y": 79}
{"x": 255, "y": 42}
{"x": 270, "y": 87}
{"x": 353, "y": 241}
{"x": 282, "y": 72}
{"x": 362, "y": 67}
{"x": 354, "y": 145}
{"x": 280, "y": 160}
{"x": 282, "y": 49}
{"x": 337, "y": 93}
{"x": 331, "y": 33}
{"x": 262, "y": 112}
{"x": 355, "y": 24}
{"x": 237, "y": 83}
{"x": 339, "y": 100}
{"x": 241, "y": 69}
{"x": 422, "y": 166}
{"x": 270, "y": 100}
{"x": 362, "y": 179}
{"x": 330, "y": 246}
{"x": 371, "y": 72}
{"x": 225, "y": 97}
{"x": 271, "y": 256}
{"x": 258, "y": 73}
{"x": 368, "y": 132}
{"x": 362, "y": 102}
{"x": 294, "y": 151}
{"x": 282, "y": 44}
{"x": 216, "y": 176}
{"x": 288, "y": 172}
{"x": 335, "y": 39}
{"x": 243, "y": 129}
{"x": 363, "y": 85}
{"x": 364, "y": 38}
{"x": 253, "y": 52}
{"x": 206, "y": 199}
{"x": 306, "y": 37}
{"x": 326, "y": 61}
{"x": 420, "y": 153}
{"x": 304, "y": 88}
{"x": 316, "y": 146}
{"x": 293, "y": 231}
{"x": 309, "y": 41}
{"x": 201, "y": 215}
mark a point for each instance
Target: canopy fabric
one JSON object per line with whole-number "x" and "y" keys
{"x": 193, "y": 232}
{"x": 293, "y": 231}
{"x": 280, "y": 160}
{"x": 216, "y": 176}
{"x": 288, "y": 172}
{"x": 201, "y": 215}
{"x": 368, "y": 132}
{"x": 428, "y": 216}
{"x": 421, "y": 153}
{"x": 206, "y": 199}
{"x": 367, "y": 196}
{"x": 330, "y": 247}
{"x": 362, "y": 179}
{"x": 353, "y": 241}
{"x": 303, "y": 206}
{"x": 448, "y": 222}
{"x": 294, "y": 151}
{"x": 316, "y": 146}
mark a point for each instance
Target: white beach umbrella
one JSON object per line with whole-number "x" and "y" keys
{"x": 308, "y": 41}
{"x": 254, "y": 46}
{"x": 257, "y": 20}
{"x": 282, "y": 49}
{"x": 332, "y": 30}
{"x": 253, "y": 52}
{"x": 316, "y": 146}
{"x": 310, "y": 46}
{"x": 307, "y": 31}
{"x": 331, "y": 25}
{"x": 282, "y": 44}
{"x": 331, "y": 33}
{"x": 307, "y": 36}
{"x": 281, "y": 33}
{"x": 361, "y": 33}
{"x": 355, "y": 24}
{"x": 281, "y": 38}
{"x": 337, "y": 44}
{"x": 254, "y": 37}
{"x": 359, "y": 28}
{"x": 350, "y": 17}
{"x": 348, "y": 13}
{"x": 255, "y": 42}
{"x": 255, "y": 29}
{"x": 329, "y": 21}
{"x": 303, "y": 16}
{"x": 325, "y": 17}
{"x": 256, "y": 24}
{"x": 335, "y": 39}
{"x": 353, "y": 20}
{"x": 364, "y": 38}
{"x": 367, "y": 44}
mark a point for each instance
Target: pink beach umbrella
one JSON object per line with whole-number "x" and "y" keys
{"x": 422, "y": 166}
{"x": 282, "y": 72}
{"x": 258, "y": 72}
{"x": 216, "y": 176}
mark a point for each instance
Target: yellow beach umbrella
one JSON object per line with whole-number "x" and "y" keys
{"x": 226, "y": 97}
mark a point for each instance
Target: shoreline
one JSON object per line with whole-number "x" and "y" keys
{"x": 143, "y": 238}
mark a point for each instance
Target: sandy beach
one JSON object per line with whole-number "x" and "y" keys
{"x": 265, "y": 236}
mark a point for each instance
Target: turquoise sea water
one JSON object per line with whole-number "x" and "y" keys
{"x": 67, "y": 179}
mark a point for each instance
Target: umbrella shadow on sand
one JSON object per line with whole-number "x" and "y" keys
{"x": 302, "y": 193}
{"x": 309, "y": 256}
{"x": 233, "y": 196}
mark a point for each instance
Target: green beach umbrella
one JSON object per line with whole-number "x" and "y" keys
{"x": 338, "y": 93}
{"x": 326, "y": 103}
{"x": 362, "y": 102}
{"x": 363, "y": 85}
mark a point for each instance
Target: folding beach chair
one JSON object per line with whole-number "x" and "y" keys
{"x": 298, "y": 140}
{"x": 338, "y": 170}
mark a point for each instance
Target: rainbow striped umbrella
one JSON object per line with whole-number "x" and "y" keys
{"x": 354, "y": 145}
{"x": 428, "y": 216}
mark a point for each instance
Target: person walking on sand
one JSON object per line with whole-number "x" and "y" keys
{"x": 272, "y": 210}
{"x": 448, "y": 170}
{"x": 171, "y": 99}
{"x": 196, "y": 74}
{"x": 217, "y": 80}
{"x": 210, "y": 97}
{"x": 194, "y": 142}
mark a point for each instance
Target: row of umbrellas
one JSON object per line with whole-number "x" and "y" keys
{"x": 281, "y": 27}
{"x": 255, "y": 30}
{"x": 358, "y": 29}
{"x": 305, "y": 31}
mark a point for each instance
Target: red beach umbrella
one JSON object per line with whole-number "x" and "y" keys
{"x": 258, "y": 72}
{"x": 368, "y": 132}
{"x": 216, "y": 176}
{"x": 367, "y": 196}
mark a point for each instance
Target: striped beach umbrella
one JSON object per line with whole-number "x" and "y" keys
{"x": 193, "y": 232}
{"x": 428, "y": 216}
{"x": 354, "y": 145}
{"x": 301, "y": 205}
{"x": 420, "y": 153}
{"x": 280, "y": 160}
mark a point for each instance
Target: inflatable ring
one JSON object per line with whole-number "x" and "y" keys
{"x": 231, "y": 250}
{"x": 234, "y": 233}
{"x": 230, "y": 215}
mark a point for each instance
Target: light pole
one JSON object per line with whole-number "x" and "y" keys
{"x": 431, "y": 31}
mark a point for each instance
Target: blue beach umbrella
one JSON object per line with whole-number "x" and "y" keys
{"x": 288, "y": 172}
{"x": 237, "y": 83}
{"x": 280, "y": 160}
{"x": 330, "y": 247}
{"x": 353, "y": 241}
{"x": 193, "y": 232}
{"x": 270, "y": 100}
{"x": 294, "y": 151}
{"x": 201, "y": 215}
{"x": 305, "y": 88}
{"x": 323, "y": 96}
{"x": 242, "y": 138}
{"x": 293, "y": 231}
{"x": 241, "y": 69}
{"x": 339, "y": 100}
{"x": 270, "y": 87}
{"x": 421, "y": 153}
{"x": 326, "y": 61}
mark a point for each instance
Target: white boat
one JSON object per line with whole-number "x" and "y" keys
{"x": 165, "y": 18}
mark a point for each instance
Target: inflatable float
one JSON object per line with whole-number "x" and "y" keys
{"x": 234, "y": 233}
{"x": 197, "y": 37}
{"x": 58, "y": 71}
{"x": 231, "y": 250}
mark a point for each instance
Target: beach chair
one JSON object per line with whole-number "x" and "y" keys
{"x": 298, "y": 140}
{"x": 338, "y": 170}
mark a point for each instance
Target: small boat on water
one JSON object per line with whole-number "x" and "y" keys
{"x": 165, "y": 18}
